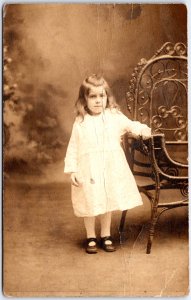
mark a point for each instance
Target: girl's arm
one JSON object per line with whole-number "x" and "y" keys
{"x": 71, "y": 158}
{"x": 135, "y": 128}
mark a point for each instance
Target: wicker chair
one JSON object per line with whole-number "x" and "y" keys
{"x": 158, "y": 97}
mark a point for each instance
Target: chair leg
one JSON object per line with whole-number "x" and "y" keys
{"x": 154, "y": 219}
{"x": 122, "y": 222}
{"x": 152, "y": 230}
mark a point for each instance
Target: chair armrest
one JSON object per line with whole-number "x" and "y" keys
{"x": 158, "y": 143}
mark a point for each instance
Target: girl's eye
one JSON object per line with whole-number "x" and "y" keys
{"x": 92, "y": 96}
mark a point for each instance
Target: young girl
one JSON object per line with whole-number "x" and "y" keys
{"x": 101, "y": 179}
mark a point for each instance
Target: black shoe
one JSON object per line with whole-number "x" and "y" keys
{"x": 91, "y": 249}
{"x": 107, "y": 247}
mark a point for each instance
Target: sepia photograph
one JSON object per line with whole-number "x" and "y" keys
{"x": 95, "y": 150}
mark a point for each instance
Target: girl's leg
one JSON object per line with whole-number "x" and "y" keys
{"x": 105, "y": 220}
{"x": 106, "y": 240}
{"x": 89, "y": 223}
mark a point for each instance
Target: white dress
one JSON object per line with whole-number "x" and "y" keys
{"x": 94, "y": 152}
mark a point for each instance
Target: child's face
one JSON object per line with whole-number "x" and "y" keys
{"x": 96, "y": 100}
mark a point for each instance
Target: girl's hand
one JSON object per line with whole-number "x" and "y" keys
{"x": 146, "y": 133}
{"x": 75, "y": 180}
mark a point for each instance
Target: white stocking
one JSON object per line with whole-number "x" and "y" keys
{"x": 89, "y": 223}
{"x": 105, "y": 220}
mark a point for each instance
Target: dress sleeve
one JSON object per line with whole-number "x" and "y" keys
{"x": 71, "y": 158}
{"x": 135, "y": 128}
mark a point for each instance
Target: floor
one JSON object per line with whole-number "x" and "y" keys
{"x": 44, "y": 248}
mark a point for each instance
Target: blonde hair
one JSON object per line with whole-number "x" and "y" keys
{"x": 93, "y": 81}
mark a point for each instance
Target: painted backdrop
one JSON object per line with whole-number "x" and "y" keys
{"x": 50, "y": 48}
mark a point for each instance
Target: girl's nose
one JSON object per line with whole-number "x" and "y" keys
{"x": 98, "y": 100}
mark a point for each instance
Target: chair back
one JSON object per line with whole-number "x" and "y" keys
{"x": 158, "y": 94}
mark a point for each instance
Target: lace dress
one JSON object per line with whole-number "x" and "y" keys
{"x": 94, "y": 152}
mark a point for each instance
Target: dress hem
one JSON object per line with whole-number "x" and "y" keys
{"x": 111, "y": 210}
